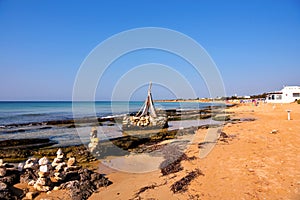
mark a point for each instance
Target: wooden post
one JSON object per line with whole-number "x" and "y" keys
{"x": 289, "y": 114}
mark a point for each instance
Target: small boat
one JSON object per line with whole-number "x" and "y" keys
{"x": 147, "y": 118}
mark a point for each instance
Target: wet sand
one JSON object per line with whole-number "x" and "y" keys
{"x": 252, "y": 163}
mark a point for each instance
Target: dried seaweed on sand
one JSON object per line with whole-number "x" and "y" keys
{"x": 182, "y": 184}
{"x": 148, "y": 187}
{"x": 173, "y": 158}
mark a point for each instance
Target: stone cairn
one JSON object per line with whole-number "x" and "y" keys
{"x": 59, "y": 160}
{"x": 30, "y": 168}
{"x": 93, "y": 145}
{"x": 44, "y": 177}
{"x": 58, "y": 164}
{"x": 43, "y": 182}
{"x": 8, "y": 177}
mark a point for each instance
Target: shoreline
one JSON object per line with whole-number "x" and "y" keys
{"x": 108, "y": 118}
{"x": 12, "y": 149}
{"x": 189, "y": 100}
{"x": 64, "y": 130}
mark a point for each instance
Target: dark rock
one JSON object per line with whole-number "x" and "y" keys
{"x": 70, "y": 184}
{"x": 28, "y": 175}
{"x": 7, "y": 165}
{"x": 247, "y": 119}
{"x": 71, "y": 176}
{"x": 87, "y": 189}
{"x": 26, "y": 143}
{"x": 85, "y": 184}
{"x": 221, "y": 117}
{"x": 95, "y": 177}
{"x": 75, "y": 189}
{"x": 12, "y": 177}
{"x": 85, "y": 174}
{"x": 6, "y": 195}
{"x": 99, "y": 180}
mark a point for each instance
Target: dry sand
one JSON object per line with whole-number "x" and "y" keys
{"x": 253, "y": 164}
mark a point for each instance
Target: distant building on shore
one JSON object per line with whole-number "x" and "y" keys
{"x": 287, "y": 95}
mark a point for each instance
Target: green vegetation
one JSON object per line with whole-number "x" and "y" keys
{"x": 259, "y": 96}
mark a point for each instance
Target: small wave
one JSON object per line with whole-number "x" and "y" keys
{"x": 25, "y": 129}
{"x": 17, "y": 115}
{"x": 113, "y": 116}
{"x": 33, "y": 114}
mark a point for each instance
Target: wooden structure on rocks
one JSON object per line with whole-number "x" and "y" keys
{"x": 146, "y": 118}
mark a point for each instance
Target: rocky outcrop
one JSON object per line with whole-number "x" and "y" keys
{"x": 61, "y": 174}
{"x": 85, "y": 184}
{"x": 8, "y": 177}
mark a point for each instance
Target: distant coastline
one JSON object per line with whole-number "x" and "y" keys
{"x": 187, "y": 100}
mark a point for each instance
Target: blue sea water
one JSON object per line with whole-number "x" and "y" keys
{"x": 14, "y": 114}
{"x": 26, "y": 112}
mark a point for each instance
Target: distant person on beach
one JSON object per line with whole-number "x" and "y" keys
{"x": 254, "y": 102}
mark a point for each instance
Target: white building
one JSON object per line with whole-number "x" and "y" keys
{"x": 287, "y": 95}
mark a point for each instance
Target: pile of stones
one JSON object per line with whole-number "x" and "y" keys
{"x": 94, "y": 142}
{"x": 43, "y": 182}
{"x": 62, "y": 173}
{"x": 8, "y": 177}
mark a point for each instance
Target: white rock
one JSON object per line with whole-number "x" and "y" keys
{"x": 251, "y": 170}
{"x": 1, "y": 162}
{"x": 20, "y": 167}
{"x": 59, "y": 151}
{"x": 43, "y": 161}
{"x": 31, "y": 183}
{"x": 30, "y": 163}
{"x": 56, "y": 161}
{"x": 44, "y": 168}
{"x": 274, "y": 131}
{"x": 56, "y": 188}
{"x": 60, "y": 166}
{"x": 42, "y": 188}
{"x": 41, "y": 181}
{"x": 60, "y": 156}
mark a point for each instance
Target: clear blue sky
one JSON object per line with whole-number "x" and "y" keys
{"x": 255, "y": 44}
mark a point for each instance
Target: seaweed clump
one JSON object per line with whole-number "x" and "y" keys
{"x": 182, "y": 184}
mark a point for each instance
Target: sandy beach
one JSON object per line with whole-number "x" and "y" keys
{"x": 259, "y": 160}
